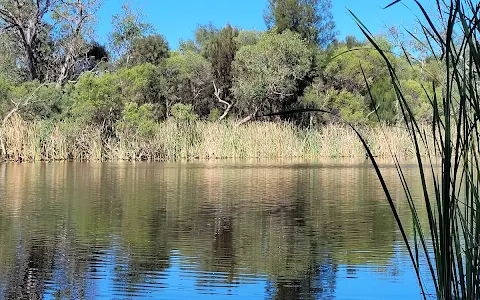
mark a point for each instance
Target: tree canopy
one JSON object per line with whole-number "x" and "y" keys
{"x": 312, "y": 19}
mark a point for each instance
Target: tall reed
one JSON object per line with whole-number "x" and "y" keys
{"x": 450, "y": 243}
{"x": 172, "y": 140}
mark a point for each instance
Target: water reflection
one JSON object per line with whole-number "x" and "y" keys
{"x": 217, "y": 229}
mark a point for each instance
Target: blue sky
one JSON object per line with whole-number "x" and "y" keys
{"x": 178, "y": 19}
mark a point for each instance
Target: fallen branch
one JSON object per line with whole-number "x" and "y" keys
{"x": 248, "y": 118}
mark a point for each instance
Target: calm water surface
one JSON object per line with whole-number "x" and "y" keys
{"x": 213, "y": 230}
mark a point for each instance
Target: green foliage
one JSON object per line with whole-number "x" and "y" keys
{"x": 10, "y": 51}
{"x": 267, "y": 74}
{"x": 100, "y": 99}
{"x": 141, "y": 84}
{"x": 183, "y": 112}
{"x": 247, "y": 37}
{"x": 214, "y": 115}
{"x": 138, "y": 120}
{"x": 220, "y": 52}
{"x": 343, "y": 104}
{"x": 187, "y": 45}
{"x": 97, "y": 98}
{"x": 204, "y": 35}
{"x": 151, "y": 49}
{"x": 417, "y": 99}
{"x": 349, "y": 106}
{"x": 34, "y": 100}
{"x": 6, "y": 88}
{"x": 189, "y": 80}
{"x": 46, "y": 101}
{"x": 312, "y": 19}
{"x": 347, "y": 68}
{"x": 385, "y": 101}
{"x": 127, "y": 28}
{"x": 219, "y": 48}
{"x": 343, "y": 68}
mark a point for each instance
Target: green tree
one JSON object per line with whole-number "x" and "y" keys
{"x": 312, "y": 19}
{"x": 151, "y": 49}
{"x": 183, "y": 112}
{"x": 247, "y": 37}
{"x": 189, "y": 78}
{"x": 33, "y": 100}
{"x": 221, "y": 53}
{"x": 204, "y": 35}
{"x": 25, "y": 19}
{"x": 267, "y": 74}
{"x": 75, "y": 27}
{"x": 341, "y": 86}
{"x": 9, "y": 54}
{"x": 127, "y": 28}
{"x": 219, "y": 48}
{"x": 100, "y": 99}
{"x": 343, "y": 104}
{"x": 187, "y": 45}
{"x": 342, "y": 73}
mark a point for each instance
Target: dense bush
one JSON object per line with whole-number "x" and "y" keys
{"x": 267, "y": 74}
{"x": 100, "y": 99}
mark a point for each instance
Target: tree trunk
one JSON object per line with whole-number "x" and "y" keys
{"x": 2, "y": 145}
{"x": 64, "y": 70}
{"x": 32, "y": 65}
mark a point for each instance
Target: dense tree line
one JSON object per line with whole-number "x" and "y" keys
{"x": 51, "y": 68}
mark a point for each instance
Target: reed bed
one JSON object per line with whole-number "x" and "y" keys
{"x": 172, "y": 140}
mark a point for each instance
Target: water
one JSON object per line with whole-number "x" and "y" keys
{"x": 212, "y": 230}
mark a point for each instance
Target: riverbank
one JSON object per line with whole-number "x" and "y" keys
{"x": 173, "y": 140}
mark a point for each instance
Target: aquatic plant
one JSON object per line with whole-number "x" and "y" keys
{"x": 450, "y": 243}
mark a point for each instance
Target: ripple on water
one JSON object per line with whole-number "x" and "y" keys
{"x": 198, "y": 231}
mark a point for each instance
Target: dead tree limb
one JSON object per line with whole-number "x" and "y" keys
{"x": 228, "y": 105}
{"x": 248, "y": 118}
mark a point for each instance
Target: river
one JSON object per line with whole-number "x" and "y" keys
{"x": 203, "y": 230}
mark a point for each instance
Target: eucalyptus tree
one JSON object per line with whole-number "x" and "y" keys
{"x": 218, "y": 47}
{"x": 221, "y": 53}
{"x": 151, "y": 49}
{"x": 9, "y": 53}
{"x": 189, "y": 81}
{"x": 312, "y": 19}
{"x": 50, "y": 32}
{"x": 267, "y": 74}
{"x": 128, "y": 27}
{"x": 25, "y": 19}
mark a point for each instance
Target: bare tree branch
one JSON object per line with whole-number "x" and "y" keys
{"x": 229, "y": 105}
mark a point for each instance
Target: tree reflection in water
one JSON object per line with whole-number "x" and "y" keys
{"x": 73, "y": 230}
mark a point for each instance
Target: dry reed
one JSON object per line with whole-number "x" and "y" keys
{"x": 48, "y": 141}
